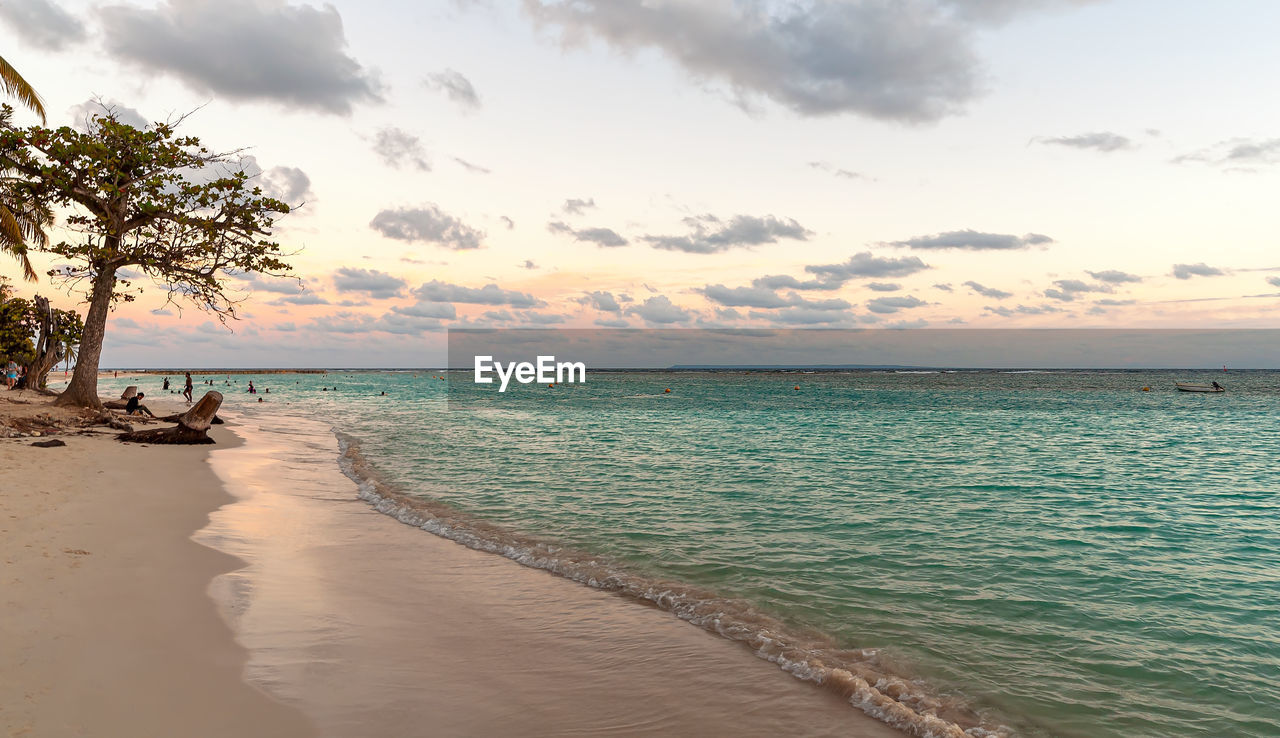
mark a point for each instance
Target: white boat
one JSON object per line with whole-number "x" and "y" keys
{"x": 1189, "y": 387}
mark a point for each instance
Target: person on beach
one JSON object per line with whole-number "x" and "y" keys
{"x": 135, "y": 406}
{"x": 166, "y": 383}
{"x": 186, "y": 391}
{"x": 10, "y": 374}
{"x": 252, "y": 391}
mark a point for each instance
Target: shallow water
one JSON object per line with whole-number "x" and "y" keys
{"x": 1057, "y": 552}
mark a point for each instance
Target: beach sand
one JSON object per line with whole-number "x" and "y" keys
{"x": 335, "y": 620}
{"x": 107, "y": 627}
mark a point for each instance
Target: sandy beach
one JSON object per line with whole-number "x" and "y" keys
{"x": 107, "y": 627}
{"x": 243, "y": 589}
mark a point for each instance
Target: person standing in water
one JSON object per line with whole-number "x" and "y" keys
{"x": 186, "y": 390}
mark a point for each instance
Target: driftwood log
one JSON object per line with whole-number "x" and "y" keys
{"x": 123, "y": 402}
{"x": 111, "y": 421}
{"x": 192, "y": 427}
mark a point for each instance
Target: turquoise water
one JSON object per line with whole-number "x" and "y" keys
{"x": 1063, "y": 553}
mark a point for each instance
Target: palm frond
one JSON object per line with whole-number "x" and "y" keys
{"x": 15, "y": 85}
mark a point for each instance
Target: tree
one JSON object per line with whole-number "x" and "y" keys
{"x": 35, "y": 334}
{"x": 60, "y": 331}
{"x": 149, "y": 200}
{"x": 20, "y": 222}
{"x": 17, "y": 327}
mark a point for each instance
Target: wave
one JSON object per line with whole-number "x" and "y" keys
{"x": 862, "y": 676}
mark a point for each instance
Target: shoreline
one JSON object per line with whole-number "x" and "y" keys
{"x": 245, "y": 589}
{"x": 371, "y": 627}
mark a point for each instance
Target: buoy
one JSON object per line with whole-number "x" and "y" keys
{"x": 797, "y": 386}
{"x": 668, "y": 390}
{"x": 1146, "y": 389}
{"x": 551, "y": 386}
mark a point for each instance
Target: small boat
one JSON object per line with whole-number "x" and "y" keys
{"x": 1190, "y": 387}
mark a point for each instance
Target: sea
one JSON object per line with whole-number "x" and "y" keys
{"x": 972, "y": 552}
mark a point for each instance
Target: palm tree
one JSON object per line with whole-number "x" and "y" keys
{"x": 22, "y": 222}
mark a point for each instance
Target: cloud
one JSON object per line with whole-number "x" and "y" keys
{"x": 892, "y": 61}
{"x": 865, "y": 265}
{"x": 780, "y": 281}
{"x": 1115, "y": 276}
{"x": 96, "y": 108}
{"x": 252, "y": 50}
{"x": 660, "y": 310}
{"x": 528, "y": 264}
{"x": 534, "y": 318}
{"x": 605, "y": 237}
{"x": 1001, "y": 11}
{"x": 511, "y": 224}
{"x": 991, "y": 292}
{"x": 842, "y": 173}
{"x": 612, "y": 323}
{"x": 1022, "y": 310}
{"x": 458, "y": 88}
{"x": 435, "y": 310}
{"x": 309, "y": 298}
{"x": 971, "y": 240}
{"x": 756, "y": 297}
{"x": 710, "y": 235}
{"x": 427, "y": 224}
{"x": 1273, "y": 281}
{"x": 803, "y": 316}
{"x": 473, "y": 168}
{"x": 1066, "y": 290}
{"x": 490, "y": 294}
{"x": 290, "y": 185}
{"x": 886, "y": 305}
{"x": 41, "y": 23}
{"x": 1239, "y": 154}
{"x": 577, "y": 207}
{"x": 397, "y": 148}
{"x": 603, "y": 301}
{"x": 377, "y": 285}
{"x": 761, "y": 297}
{"x": 258, "y": 283}
{"x": 1187, "y": 271}
{"x": 1098, "y": 141}
{"x": 1116, "y": 303}
{"x": 943, "y": 287}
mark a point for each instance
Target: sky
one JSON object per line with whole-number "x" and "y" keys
{"x": 696, "y": 163}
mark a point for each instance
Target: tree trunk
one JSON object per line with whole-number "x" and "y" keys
{"x": 83, "y": 389}
{"x": 46, "y": 348}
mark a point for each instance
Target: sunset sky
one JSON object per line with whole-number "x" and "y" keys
{"x": 698, "y": 163}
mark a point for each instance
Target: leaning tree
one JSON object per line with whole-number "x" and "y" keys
{"x": 145, "y": 200}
